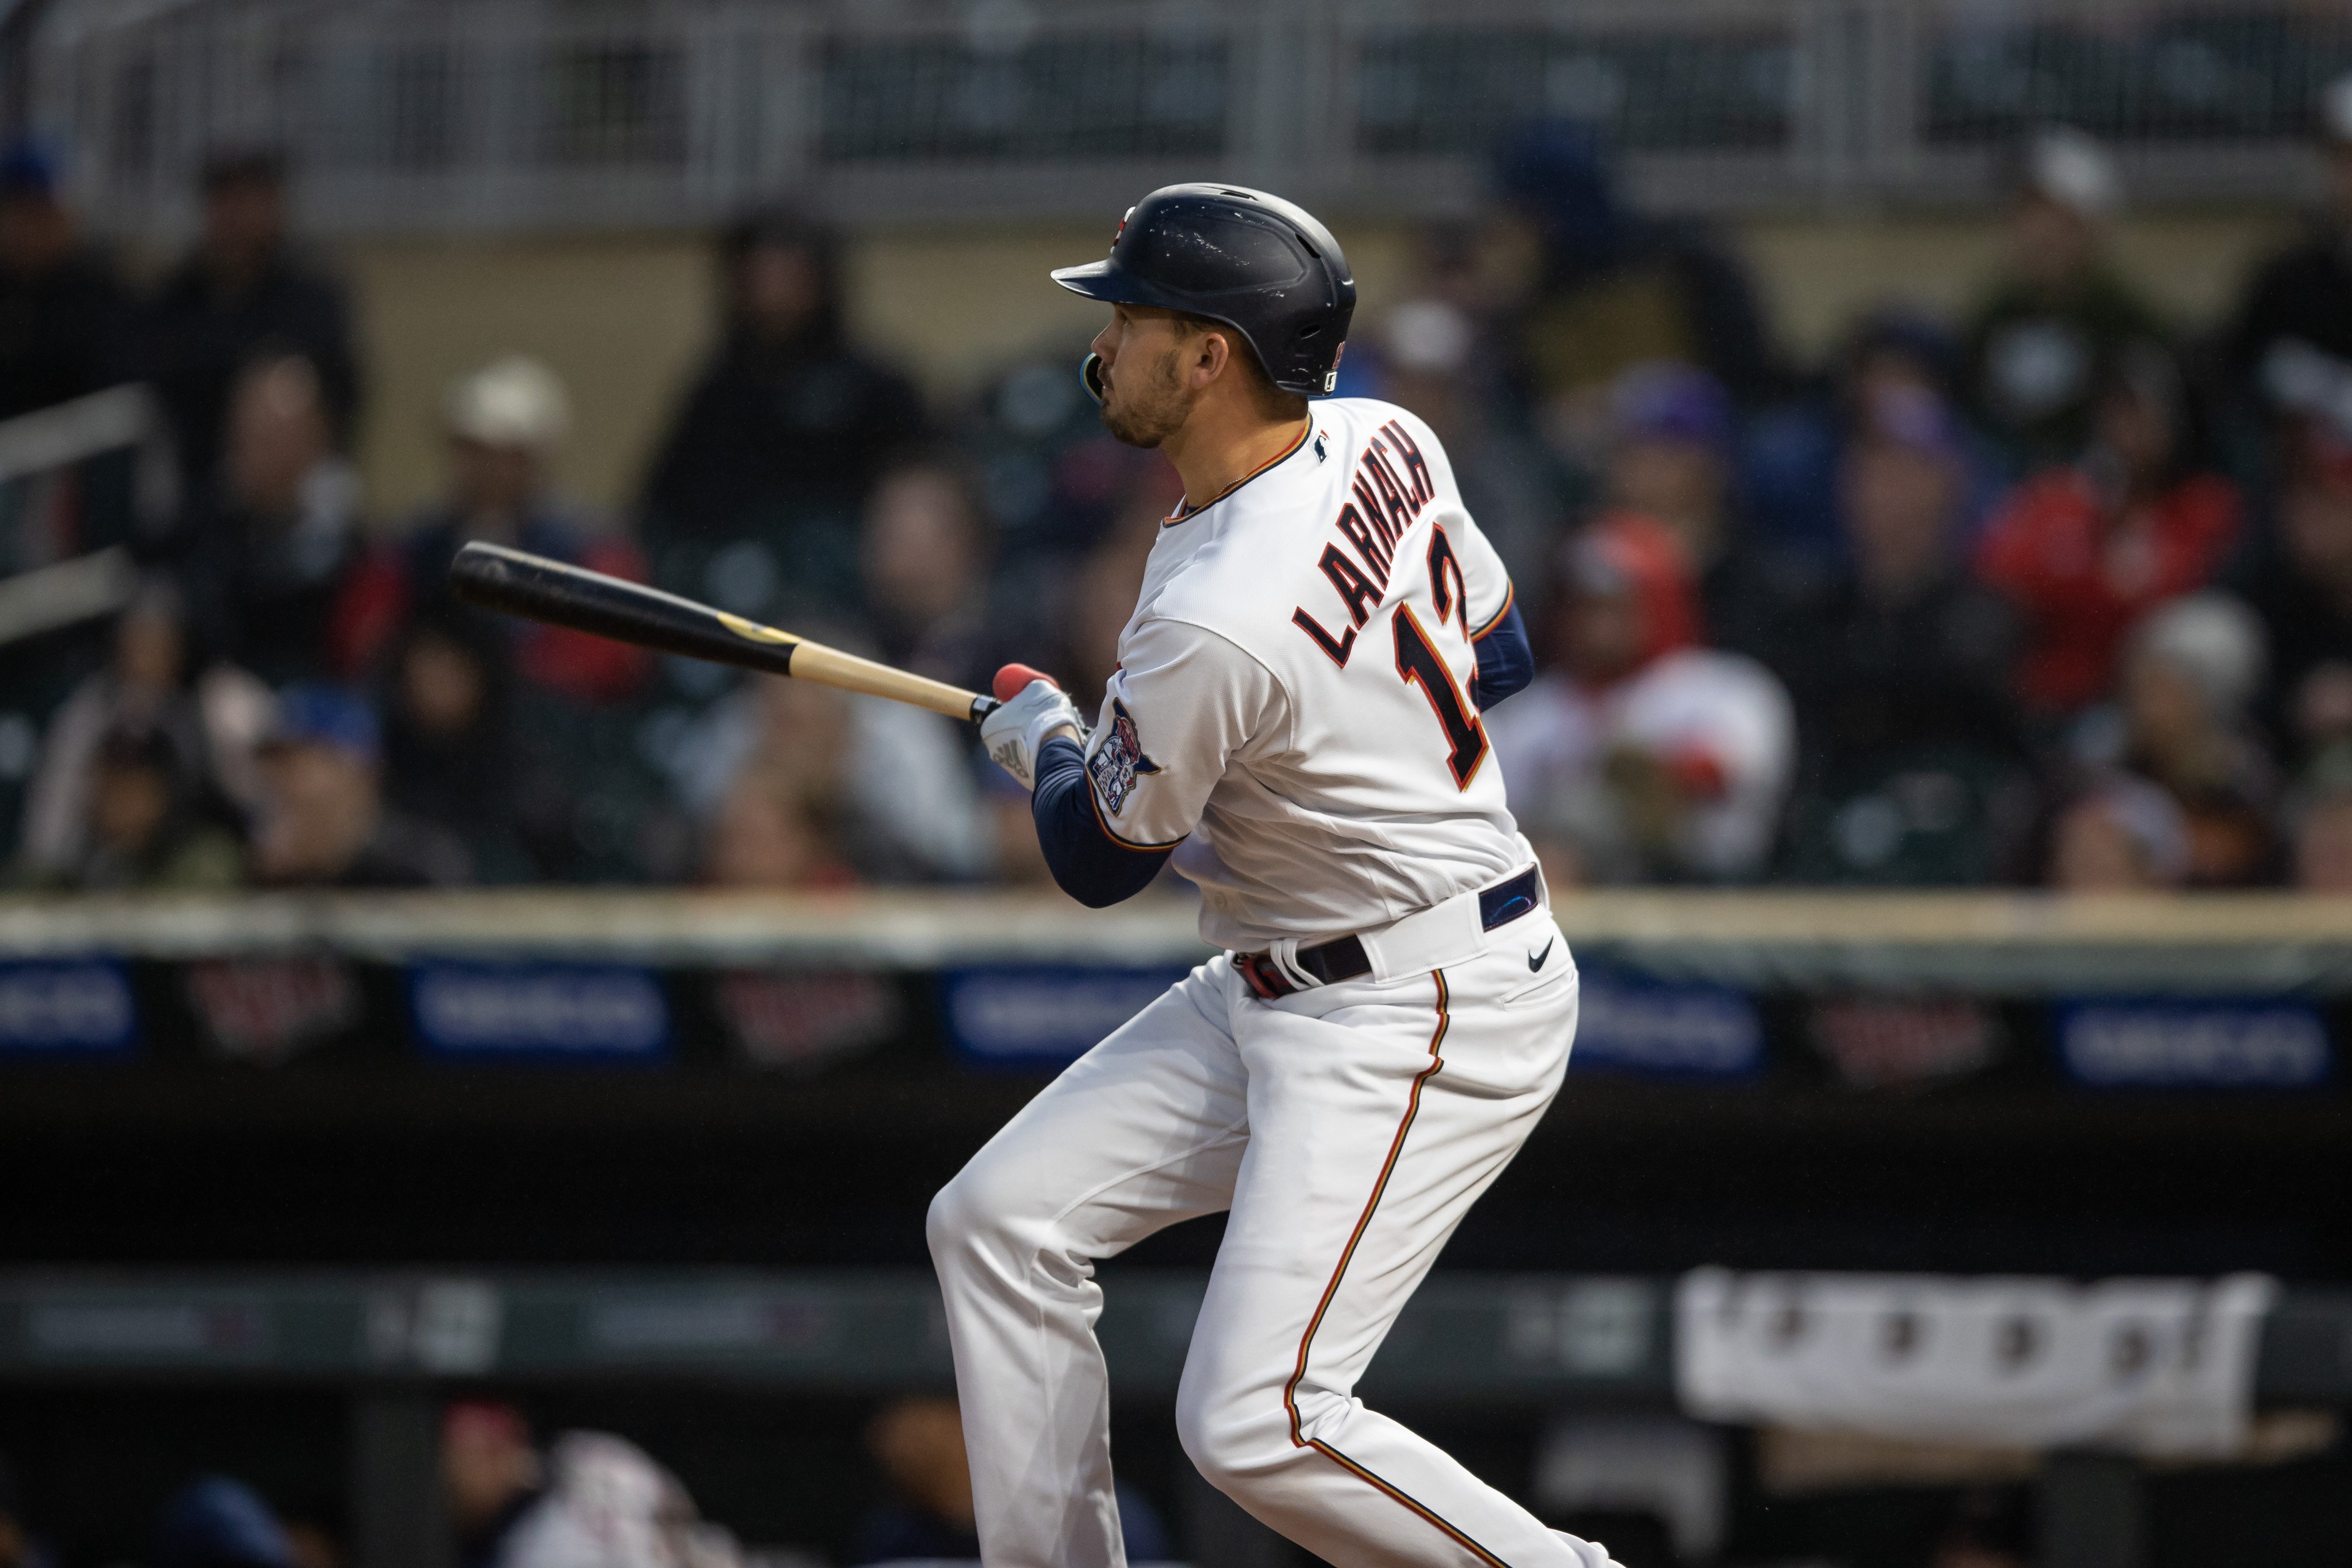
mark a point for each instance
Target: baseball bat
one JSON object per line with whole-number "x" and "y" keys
{"x": 493, "y": 577}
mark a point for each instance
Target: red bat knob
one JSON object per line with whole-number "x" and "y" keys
{"x": 1013, "y": 679}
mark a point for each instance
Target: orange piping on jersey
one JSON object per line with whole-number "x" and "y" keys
{"x": 1183, "y": 514}
{"x": 1363, "y": 1222}
{"x": 1096, "y": 801}
{"x": 1509, "y": 593}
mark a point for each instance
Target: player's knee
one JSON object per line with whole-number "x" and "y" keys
{"x": 1235, "y": 1436}
{"x": 955, "y": 1219}
{"x": 979, "y": 1211}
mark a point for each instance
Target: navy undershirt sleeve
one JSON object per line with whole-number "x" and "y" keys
{"x": 1091, "y": 865}
{"x": 1506, "y": 662}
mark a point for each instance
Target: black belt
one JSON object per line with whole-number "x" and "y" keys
{"x": 1343, "y": 957}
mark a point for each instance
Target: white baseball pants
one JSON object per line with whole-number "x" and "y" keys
{"x": 1348, "y": 1128}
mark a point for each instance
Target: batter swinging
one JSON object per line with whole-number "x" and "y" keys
{"x": 1295, "y": 724}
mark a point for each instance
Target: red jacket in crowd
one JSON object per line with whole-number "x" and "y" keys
{"x": 2082, "y": 574}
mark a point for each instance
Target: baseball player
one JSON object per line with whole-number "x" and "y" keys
{"x": 1295, "y": 726}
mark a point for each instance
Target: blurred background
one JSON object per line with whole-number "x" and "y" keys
{"x": 468, "y": 1092}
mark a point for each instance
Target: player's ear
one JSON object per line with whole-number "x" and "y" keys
{"x": 1216, "y": 353}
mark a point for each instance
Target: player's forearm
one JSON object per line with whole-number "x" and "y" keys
{"x": 1088, "y": 863}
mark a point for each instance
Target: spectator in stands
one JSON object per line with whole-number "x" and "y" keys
{"x": 62, "y": 312}
{"x": 772, "y": 763}
{"x": 2298, "y": 578}
{"x": 490, "y": 1477}
{"x": 151, "y": 824}
{"x": 315, "y": 1533}
{"x": 323, "y": 821}
{"x": 1901, "y": 670}
{"x": 917, "y": 1443}
{"x": 2321, "y": 820}
{"x": 2083, "y": 550}
{"x": 2122, "y": 835}
{"x": 448, "y": 739}
{"x": 217, "y": 1523}
{"x": 504, "y": 422}
{"x": 17, "y": 1547}
{"x": 1603, "y": 290}
{"x": 243, "y": 294}
{"x": 558, "y": 702}
{"x": 2291, "y": 344}
{"x": 266, "y": 555}
{"x": 1791, "y": 456}
{"x": 2191, "y": 673}
{"x": 925, "y": 557}
{"x": 752, "y": 501}
{"x": 770, "y": 832}
{"x": 2036, "y": 342}
{"x": 1639, "y": 756}
{"x": 211, "y": 720}
{"x": 609, "y": 1505}
{"x": 1670, "y": 461}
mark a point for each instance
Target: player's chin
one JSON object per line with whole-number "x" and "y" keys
{"x": 1126, "y": 428}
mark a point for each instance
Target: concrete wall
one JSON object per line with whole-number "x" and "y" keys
{"x": 624, "y": 318}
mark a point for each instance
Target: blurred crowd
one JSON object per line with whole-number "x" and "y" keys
{"x": 2056, "y": 593}
{"x": 586, "y": 1499}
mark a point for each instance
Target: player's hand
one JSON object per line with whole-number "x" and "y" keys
{"x": 1016, "y": 731}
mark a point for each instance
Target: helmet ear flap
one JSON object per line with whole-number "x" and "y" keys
{"x": 1090, "y": 376}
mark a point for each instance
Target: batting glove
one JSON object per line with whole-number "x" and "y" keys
{"x": 1016, "y": 731}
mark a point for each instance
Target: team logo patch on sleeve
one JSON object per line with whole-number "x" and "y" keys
{"x": 1119, "y": 759}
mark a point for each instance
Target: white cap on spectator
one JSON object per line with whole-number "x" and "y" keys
{"x": 2215, "y": 640}
{"x": 512, "y": 401}
{"x": 2071, "y": 168}
{"x": 2335, "y": 111}
{"x": 1428, "y": 335}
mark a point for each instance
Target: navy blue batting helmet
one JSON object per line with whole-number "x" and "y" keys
{"x": 1254, "y": 262}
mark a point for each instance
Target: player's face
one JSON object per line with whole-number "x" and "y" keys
{"x": 1147, "y": 395}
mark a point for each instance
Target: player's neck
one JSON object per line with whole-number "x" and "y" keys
{"x": 1223, "y": 443}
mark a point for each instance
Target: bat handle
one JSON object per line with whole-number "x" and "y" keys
{"x": 982, "y": 706}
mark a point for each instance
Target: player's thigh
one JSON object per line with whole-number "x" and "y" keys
{"x": 1379, "y": 1115}
{"x": 1144, "y": 1129}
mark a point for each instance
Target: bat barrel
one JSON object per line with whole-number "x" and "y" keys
{"x": 492, "y": 577}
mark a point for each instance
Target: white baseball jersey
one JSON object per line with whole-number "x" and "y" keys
{"x": 1291, "y": 712}
{"x": 1292, "y": 707}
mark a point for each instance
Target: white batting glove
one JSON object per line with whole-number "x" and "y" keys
{"x": 1016, "y": 732}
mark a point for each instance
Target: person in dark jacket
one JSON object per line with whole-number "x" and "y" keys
{"x": 62, "y": 309}
{"x": 265, "y": 550}
{"x": 491, "y": 1476}
{"x": 2298, "y": 576}
{"x": 243, "y": 292}
{"x": 324, "y": 822}
{"x": 217, "y": 1523}
{"x": 2059, "y": 310}
{"x": 1912, "y": 754}
{"x": 2293, "y": 335}
{"x": 1613, "y": 288}
{"x": 784, "y": 431}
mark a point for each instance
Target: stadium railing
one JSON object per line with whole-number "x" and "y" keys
{"x": 500, "y": 114}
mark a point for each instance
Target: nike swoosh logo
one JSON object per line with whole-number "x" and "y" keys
{"x": 1535, "y": 960}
